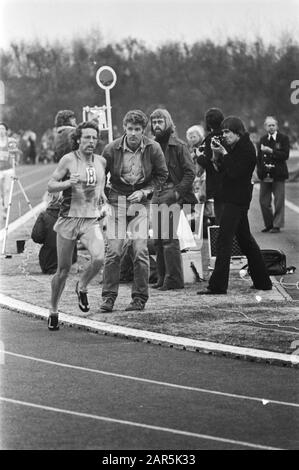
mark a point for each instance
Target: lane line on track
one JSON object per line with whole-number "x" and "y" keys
{"x": 32, "y": 185}
{"x": 288, "y": 203}
{"x": 140, "y": 425}
{"x": 33, "y": 172}
{"x": 23, "y": 219}
{"x": 155, "y": 382}
{"x": 292, "y": 206}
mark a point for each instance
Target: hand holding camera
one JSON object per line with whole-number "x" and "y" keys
{"x": 216, "y": 145}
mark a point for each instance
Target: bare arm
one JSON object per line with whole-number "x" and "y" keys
{"x": 55, "y": 183}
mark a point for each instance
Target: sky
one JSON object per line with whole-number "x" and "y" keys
{"x": 152, "y": 21}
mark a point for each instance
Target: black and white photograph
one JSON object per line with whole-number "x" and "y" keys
{"x": 149, "y": 230}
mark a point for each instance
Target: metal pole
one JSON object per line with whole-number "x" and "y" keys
{"x": 108, "y": 104}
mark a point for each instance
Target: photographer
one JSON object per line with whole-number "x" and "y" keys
{"x": 273, "y": 151}
{"x": 236, "y": 166}
{"x": 213, "y": 119}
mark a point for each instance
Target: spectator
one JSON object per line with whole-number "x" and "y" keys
{"x": 126, "y": 262}
{"x": 175, "y": 192}
{"x": 136, "y": 165}
{"x": 65, "y": 124}
{"x": 214, "y": 204}
{"x": 237, "y": 162}
{"x": 43, "y": 233}
{"x": 195, "y": 136}
{"x": 8, "y": 152}
{"x": 28, "y": 146}
{"x": 272, "y": 170}
{"x": 46, "y": 154}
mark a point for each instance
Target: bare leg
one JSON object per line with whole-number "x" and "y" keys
{"x": 94, "y": 243}
{"x": 65, "y": 250}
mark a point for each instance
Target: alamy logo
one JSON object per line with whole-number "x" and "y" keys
{"x": 295, "y": 94}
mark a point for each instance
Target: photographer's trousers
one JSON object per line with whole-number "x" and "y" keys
{"x": 234, "y": 221}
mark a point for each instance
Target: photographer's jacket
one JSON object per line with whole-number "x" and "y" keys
{"x": 281, "y": 150}
{"x": 153, "y": 166}
{"x": 237, "y": 168}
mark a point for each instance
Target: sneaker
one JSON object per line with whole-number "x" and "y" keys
{"x": 53, "y": 322}
{"x": 136, "y": 304}
{"x": 107, "y": 305}
{"x": 82, "y": 299}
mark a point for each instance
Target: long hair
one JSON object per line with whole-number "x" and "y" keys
{"x": 77, "y": 134}
{"x": 164, "y": 114}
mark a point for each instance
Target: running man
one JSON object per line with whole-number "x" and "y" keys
{"x": 80, "y": 175}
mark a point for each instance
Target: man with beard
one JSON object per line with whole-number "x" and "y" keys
{"x": 80, "y": 175}
{"x": 136, "y": 165}
{"x": 176, "y": 191}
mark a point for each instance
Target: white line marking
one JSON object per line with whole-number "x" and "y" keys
{"x": 23, "y": 219}
{"x": 153, "y": 382}
{"x": 292, "y": 206}
{"x": 160, "y": 338}
{"x": 288, "y": 203}
{"x": 140, "y": 425}
{"x": 30, "y": 186}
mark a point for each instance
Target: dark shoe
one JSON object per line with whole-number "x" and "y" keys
{"x": 136, "y": 304}
{"x": 266, "y": 229}
{"x": 275, "y": 230}
{"x": 157, "y": 285}
{"x": 53, "y": 322}
{"x": 107, "y": 305}
{"x": 82, "y": 299}
{"x": 169, "y": 288}
{"x": 261, "y": 288}
{"x": 210, "y": 292}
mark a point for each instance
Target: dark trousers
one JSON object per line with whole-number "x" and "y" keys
{"x": 165, "y": 220}
{"x": 277, "y": 189}
{"x": 169, "y": 264}
{"x": 234, "y": 221}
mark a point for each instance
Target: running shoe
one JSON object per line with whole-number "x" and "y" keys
{"x": 53, "y": 322}
{"x": 82, "y": 299}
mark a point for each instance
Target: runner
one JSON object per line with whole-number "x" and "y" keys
{"x": 81, "y": 176}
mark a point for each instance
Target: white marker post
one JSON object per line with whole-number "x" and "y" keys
{"x": 106, "y": 79}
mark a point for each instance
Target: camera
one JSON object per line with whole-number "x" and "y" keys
{"x": 197, "y": 151}
{"x": 217, "y": 141}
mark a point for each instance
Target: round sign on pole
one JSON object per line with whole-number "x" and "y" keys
{"x": 106, "y": 77}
